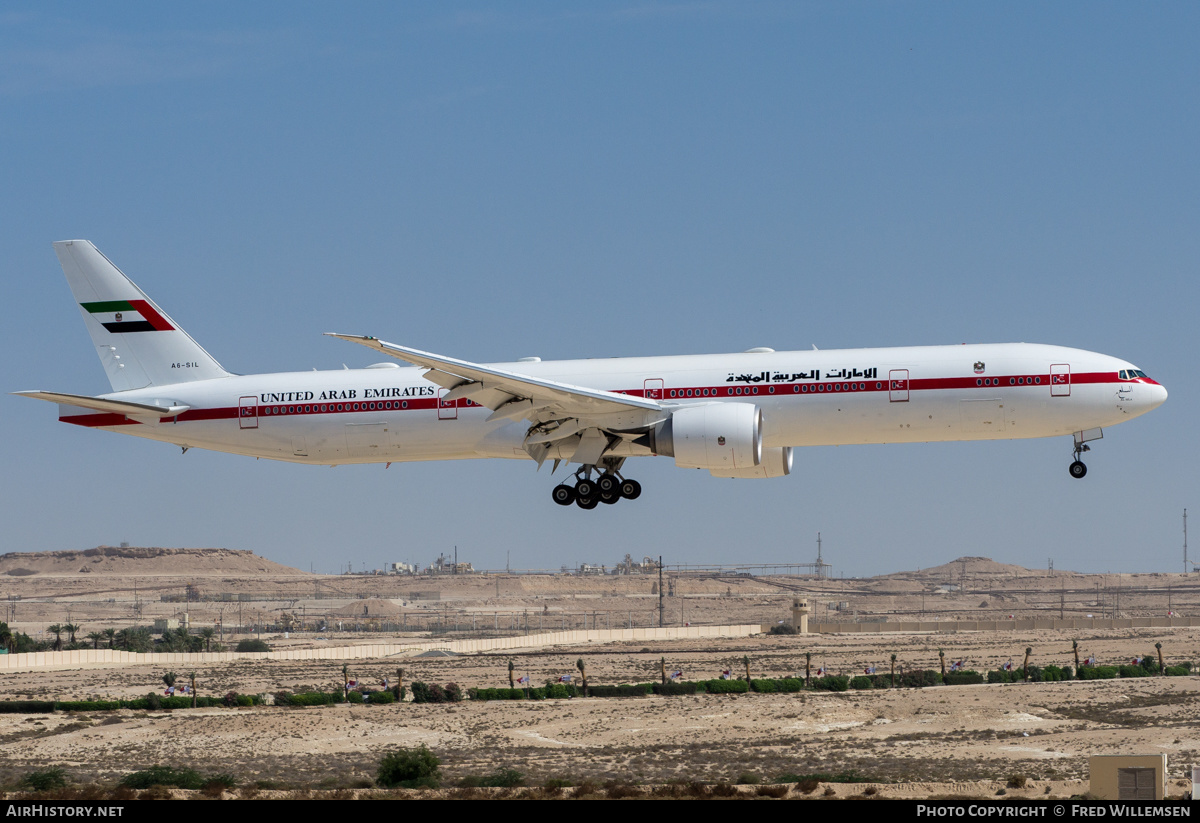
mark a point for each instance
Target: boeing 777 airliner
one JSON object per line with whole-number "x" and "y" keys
{"x": 736, "y": 415}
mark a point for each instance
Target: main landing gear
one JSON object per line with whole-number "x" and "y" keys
{"x": 608, "y": 487}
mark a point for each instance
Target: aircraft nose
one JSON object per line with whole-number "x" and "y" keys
{"x": 1158, "y": 395}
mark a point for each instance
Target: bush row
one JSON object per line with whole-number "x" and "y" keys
{"x": 151, "y": 701}
{"x": 1147, "y": 667}
{"x": 453, "y": 693}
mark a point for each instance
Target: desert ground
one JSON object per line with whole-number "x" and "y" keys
{"x": 949, "y": 740}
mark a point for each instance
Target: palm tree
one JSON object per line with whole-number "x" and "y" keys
{"x": 6, "y": 636}
{"x": 71, "y": 628}
{"x": 110, "y": 635}
{"x": 208, "y": 633}
{"x": 95, "y": 638}
{"x": 58, "y": 630}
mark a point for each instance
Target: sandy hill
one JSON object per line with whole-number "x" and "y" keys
{"x": 140, "y": 561}
{"x": 973, "y": 567}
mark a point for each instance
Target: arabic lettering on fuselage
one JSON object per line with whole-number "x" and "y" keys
{"x": 793, "y": 377}
{"x": 348, "y": 394}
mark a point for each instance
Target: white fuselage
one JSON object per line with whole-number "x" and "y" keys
{"x": 807, "y": 398}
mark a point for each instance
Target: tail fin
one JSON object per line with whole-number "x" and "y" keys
{"x": 139, "y": 345}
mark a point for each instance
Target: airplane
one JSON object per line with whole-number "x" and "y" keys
{"x": 737, "y": 415}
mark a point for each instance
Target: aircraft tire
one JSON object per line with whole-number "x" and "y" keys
{"x": 564, "y": 495}
{"x": 587, "y": 502}
{"x": 585, "y": 488}
{"x": 610, "y": 498}
{"x": 1078, "y": 470}
{"x": 631, "y": 489}
{"x": 607, "y": 484}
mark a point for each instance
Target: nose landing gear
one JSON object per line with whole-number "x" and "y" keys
{"x": 1078, "y": 469}
{"x": 608, "y": 487}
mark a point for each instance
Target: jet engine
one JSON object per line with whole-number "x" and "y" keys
{"x": 776, "y": 462}
{"x": 720, "y": 437}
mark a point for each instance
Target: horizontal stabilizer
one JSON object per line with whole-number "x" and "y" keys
{"x": 167, "y": 408}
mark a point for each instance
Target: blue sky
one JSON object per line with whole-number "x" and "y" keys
{"x": 608, "y": 179}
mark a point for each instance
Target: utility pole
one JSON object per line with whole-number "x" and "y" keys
{"x": 660, "y": 592}
{"x": 1185, "y": 541}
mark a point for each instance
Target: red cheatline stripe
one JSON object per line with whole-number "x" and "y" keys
{"x": 782, "y": 390}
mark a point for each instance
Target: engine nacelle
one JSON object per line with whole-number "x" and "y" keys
{"x": 776, "y": 462}
{"x": 720, "y": 437}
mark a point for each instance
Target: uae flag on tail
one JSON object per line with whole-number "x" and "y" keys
{"x": 123, "y": 316}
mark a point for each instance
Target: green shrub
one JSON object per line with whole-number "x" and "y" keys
{"x": 1052, "y": 673}
{"x": 382, "y": 698}
{"x": 87, "y": 705}
{"x": 1176, "y": 671}
{"x": 559, "y": 691}
{"x": 354, "y": 696}
{"x": 163, "y": 776}
{"x": 503, "y": 778}
{"x": 45, "y": 780}
{"x": 409, "y": 768}
{"x": 313, "y": 699}
{"x": 1098, "y": 672}
{"x": 832, "y": 683}
{"x": 252, "y": 645}
{"x": 26, "y": 706}
{"x": 453, "y": 693}
{"x": 790, "y": 684}
{"x": 964, "y": 677}
{"x": 763, "y": 686}
{"x": 421, "y": 693}
{"x": 726, "y": 686}
{"x": 920, "y": 679}
{"x": 668, "y": 688}
{"x": 862, "y": 682}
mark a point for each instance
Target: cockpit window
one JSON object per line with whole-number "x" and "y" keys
{"x": 1130, "y": 374}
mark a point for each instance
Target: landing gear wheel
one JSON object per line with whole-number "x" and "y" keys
{"x": 607, "y": 483}
{"x": 1078, "y": 469}
{"x": 563, "y": 495}
{"x": 585, "y": 488}
{"x": 587, "y": 502}
{"x": 631, "y": 489}
{"x": 610, "y": 498}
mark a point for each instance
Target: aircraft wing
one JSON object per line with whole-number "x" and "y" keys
{"x": 509, "y": 394}
{"x": 101, "y": 404}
